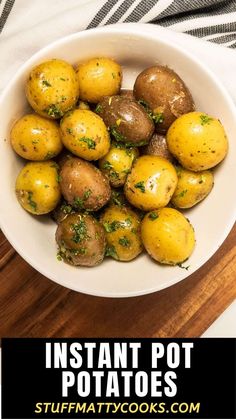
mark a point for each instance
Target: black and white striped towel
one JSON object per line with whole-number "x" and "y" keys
{"x": 28, "y": 25}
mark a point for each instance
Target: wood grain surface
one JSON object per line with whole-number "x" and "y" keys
{"x": 33, "y": 306}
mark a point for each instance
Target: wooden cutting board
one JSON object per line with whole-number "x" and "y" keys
{"x": 33, "y": 306}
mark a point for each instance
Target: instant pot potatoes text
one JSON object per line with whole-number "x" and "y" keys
{"x": 115, "y": 138}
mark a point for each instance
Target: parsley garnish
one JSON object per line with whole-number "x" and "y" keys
{"x": 158, "y": 118}
{"x": 31, "y": 202}
{"x": 118, "y": 136}
{"x": 80, "y": 232}
{"x": 123, "y": 241}
{"x": 53, "y": 111}
{"x": 46, "y": 83}
{"x": 111, "y": 227}
{"x": 107, "y": 165}
{"x": 141, "y": 186}
{"x": 111, "y": 251}
{"x": 153, "y": 215}
{"x": 182, "y": 193}
{"x": 205, "y": 119}
{"x": 90, "y": 143}
{"x": 98, "y": 108}
{"x": 69, "y": 130}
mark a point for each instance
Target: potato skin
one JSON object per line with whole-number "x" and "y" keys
{"x": 127, "y": 120}
{"x": 62, "y": 211}
{"x": 52, "y": 88}
{"x": 167, "y": 236}
{"x": 122, "y": 226}
{"x": 117, "y": 163}
{"x": 98, "y": 77}
{"x": 198, "y": 141}
{"x": 192, "y": 187}
{"x": 157, "y": 146}
{"x": 151, "y": 183}
{"x": 165, "y": 93}
{"x": 36, "y": 138}
{"x": 85, "y": 134}
{"x": 83, "y": 185}
{"x": 81, "y": 240}
{"x": 128, "y": 93}
{"x": 37, "y": 187}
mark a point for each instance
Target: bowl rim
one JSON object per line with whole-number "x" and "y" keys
{"x": 124, "y": 29}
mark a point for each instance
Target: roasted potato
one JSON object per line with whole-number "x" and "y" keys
{"x": 157, "y": 146}
{"x": 192, "y": 187}
{"x": 151, "y": 183}
{"x": 198, "y": 141}
{"x": 85, "y": 134}
{"x": 99, "y": 77}
{"x": 36, "y": 138}
{"x": 83, "y": 105}
{"x": 126, "y": 119}
{"x": 122, "y": 228}
{"x": 83, "y": 185}
{"x": 162, "y": 91}
{"x": 117, "y": 163}
{"x": 37, "y": 187}
{"x": 52, "y": 88}
{"x": 81, "y": 240}
{"x": 167, "y": 236}
{"x": 127, "y": 93}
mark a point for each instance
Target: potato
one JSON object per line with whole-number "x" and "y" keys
{"x": 36, "y": 138}
{"x": 81, "y": 240}
{"x": 198, "y": 141}
{"x": 83, "y": 185}
{"x": 122, "y": 228}
{"x": 83, "y": 105}
{"x": 62, "y": 210}
{"x": 157, "y": 146}
{"x": 164, "y": 92}
{"x": 192, "y": 187}
{"x": 167, "y": 236}
{"x": 52, "y": 88}
{"x": 127, "y": 93}
{"x": 37, "y": 187}
{"x": 126, "y": 119}
{"x": 117, "y": 163}
{"x": 85, "y": 134}
{"x": 99, "y": 77}
{"x": 151, "y": 183}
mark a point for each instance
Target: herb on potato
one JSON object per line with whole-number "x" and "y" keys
{"x": 153, "y": 216}
{"x": 46, "y": 83}
{"x": 31, "y": 202}
{"x": 111, "y": 251}
{"x": 111, "y": 227}
{"x": 141, "y": 186}
{"x": 54, "y": 111}
{"x": 80, "y": 232}
{"x": 123, "y": 241}
{"x": 90, "y": 143}
{"x": 205, "y": 119}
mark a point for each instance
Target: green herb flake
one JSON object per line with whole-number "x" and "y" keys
{"x": 205, "y": 119}
{"x": 153, "y": 216}
{"x": 80, "y": 231}
{"x": 98, "y": 108}
{"x": 53, "y": 111}
{"x": 62, "y": 78}
{"x": 66, "y": 209}
{"x": 46, "y": 83}
{"x": 111, "y": 227}
{"x": 158, "y": 118}
{"x": 87, "y": 194}
{"x": 69, "y": 130}
{"x": 141, "y": 186}
{"x": 128, "y": 222}
{"x": 78, "y": 203}
{"x": 59, "y": 178}
{"x": 182, "y": 193}
{"x": 59, "y": 256}
{"x": 117, "y": 135}
{"x": 90, "y": 143}
{"x": 107, "y": 165}
{"x": 111, "y": 251}
{"x": 123, "y": 241}
{"x": 31, "y": 202}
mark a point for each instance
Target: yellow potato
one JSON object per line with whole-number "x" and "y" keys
{"x": 117, "y": 163}
{"x": 36, "y": 138}
{"x": 52, "y": 88}
{"x": 151, "y": 183}
{"x": 37, "y": 187}
{"x": 122, "y": 228}
{"x": 192, "y": 187}
{"x": 167, "y": 236}
{"x": 198, "y": 141}
{"x": 85, "y": 134}
{"x": 99, "y": 77}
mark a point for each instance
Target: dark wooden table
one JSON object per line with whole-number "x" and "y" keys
{"x": 33, "y": 306}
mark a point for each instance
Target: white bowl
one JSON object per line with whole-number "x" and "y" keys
{"x": 33, "y": 237}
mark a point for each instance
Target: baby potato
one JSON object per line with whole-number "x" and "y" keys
{"x": 198, "y": 141}
{"x": 85, "y": 134}
{"x": 167, "y": 236}
{"x": 127, "y": 121}
{"x": 192, "y": 187}
{"x": 37, "y": 187}
{"x": 164, "y": 93}
{"x": 122, "y": 228}
{"x": 151, "y": 183}
{"x": 83, "y": 185}
{"x": 81, "y": 240}
{"x": 52, "y": 88}
{"x": 117, "y": 163}
{"x": 36, "y": 138}
{"x": 157, "y": 146}
{"x": 99, "y": 77}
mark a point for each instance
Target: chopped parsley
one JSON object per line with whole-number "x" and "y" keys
{"x": 107, "y": 165}
{"x": 117, "y": 198}
{"x": 205, "y": 119}
{"x": 79, "y": 202}
{"x": 182, "y": 193}
{"x": 80, "y": 232}
{"x": 54, "y": 111}
{"x": 49, "y": 155}
{"x": 141, "y": 186}
{"x": 31, "y": 202}
{"x": 111, "y": 251}
{"x": 98, "y": 108}
{"x": 128, "y": 222}
{"x": 59, "y": 178}
{"x": 158, "y": 118}
{"x": 117, "y": 135}
{"x": 69, "y": 130}
{"x": 111, "y": 227}
{"x": 90, "y": 143}
{"x": 66, "y": 209}
{"x": 123, "y": 241}
{"x": 46, "y": 83}
{"x": 153, "y": 216}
